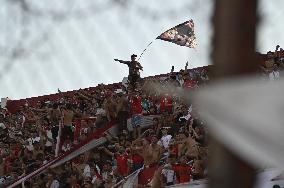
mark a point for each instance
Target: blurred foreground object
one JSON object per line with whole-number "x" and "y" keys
{"x": 233, "y": 55}
{"x": 246, "y": 115}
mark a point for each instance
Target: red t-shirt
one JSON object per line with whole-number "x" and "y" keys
{"x": 135, "y": 105}
{"x": 183, "y": 173}
{"x": 166, "y": 103}
{"x": 162, "y": 104}
{"x": 169, "y": 103}
{"x": 189, "y": 84}
{"x": 122, "y": 163}
{"x": 16, "y": 151}
{"x": 7, "y": 164}
{"x": 137, "y": 159}
{"x": 174, "y": 150}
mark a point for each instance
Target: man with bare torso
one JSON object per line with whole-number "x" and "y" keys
{"x": 55, "y": 117}
{"x": 151, "y": 153}
{"x": 68, "y": 115}
{"x": 110, "y": 108}
{"x": 122, "y": 112}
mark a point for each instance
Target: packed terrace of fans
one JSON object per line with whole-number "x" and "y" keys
{"x": 175, "y": 141}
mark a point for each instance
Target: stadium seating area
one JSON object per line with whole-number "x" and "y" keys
{"x": 67, "y": 139}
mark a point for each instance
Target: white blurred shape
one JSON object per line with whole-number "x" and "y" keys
{"x": 246, "y": 115}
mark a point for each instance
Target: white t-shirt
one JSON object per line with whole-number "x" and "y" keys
{"x": 100, "y": 111}
{"x": 2, "y": 126}
{"x": 54, "y": 184}
{"x": 66, "y": 147}
{"x": 94, "y": 179}
{"x": 36, "y": 139}
{"x": 49, "y": 137}
{"x": 165, "y": 140}
{"x": 87, "y": 171}
{"x": 169, "y": 174}
{"x": 30, "y": 146}
{"x": 274, "y": 75}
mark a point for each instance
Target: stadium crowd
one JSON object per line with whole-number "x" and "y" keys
{"x": 174, "y": 144}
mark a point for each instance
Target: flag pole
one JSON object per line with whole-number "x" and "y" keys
{"x": 145, "y": 49}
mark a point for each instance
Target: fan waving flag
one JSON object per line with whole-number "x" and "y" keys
{"x": 182, "y": 34}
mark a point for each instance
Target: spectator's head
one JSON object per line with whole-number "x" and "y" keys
{"x": 68, "y": 106}
{"x": 275, "y": 66}
{"x": 97, "y": 157}
{"x": 106, "y": 166}
{"x": 276, "y": 186}
{"x": 168, "y": 166}
{"x": 155, "y": 121}
{"x": 2, "y": 117}
{"x": 55, "y": 106}
{"x": 183, "y": 160}
{"x": 164, "y": 131}
{"x": 133, "y": 57}
{"x": 37, "y": 145}
{"x": 122, "y": 136}
{"x": 124, "y": 132}
{"x": 270, "y": 55}
{"x": 121, "y": 150}
{"x": 87, "y": 183}
{"x": 145, "y": 142}
{"x": 83, "y": 123}
{"x": 50, "y": 176}
{"x": 72, "y": 178}
{"x": 181, "y": 135}
{"x": 154, "y": 139}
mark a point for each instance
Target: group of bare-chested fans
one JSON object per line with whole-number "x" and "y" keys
{"x": 172, "y": 150}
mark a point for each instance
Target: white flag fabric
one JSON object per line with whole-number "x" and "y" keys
{"x": 247, "y": 116}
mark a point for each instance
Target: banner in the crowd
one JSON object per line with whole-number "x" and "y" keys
{"x": 182, "y": 34}
{"x": 87, "y": 145}
{"x": 90, "y": 143}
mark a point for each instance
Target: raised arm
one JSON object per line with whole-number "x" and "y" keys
{"x": 186, "y": 66}
{"x": 140, "y": 66}
{"x": 39, "y": 110}
{"x": 122, "y": 61}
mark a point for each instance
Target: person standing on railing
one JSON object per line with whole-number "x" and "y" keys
{"x": 134, "y": 70}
